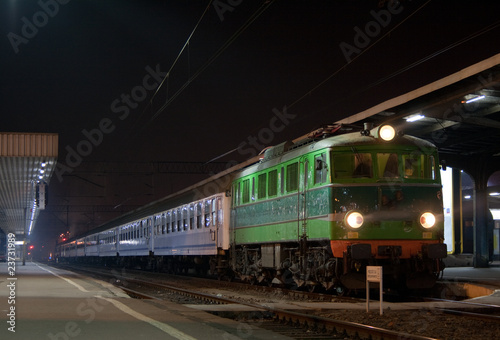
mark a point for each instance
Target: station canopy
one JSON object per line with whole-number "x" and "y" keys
{"x": 460, "y": 114}
{"x": 27, "y": 162}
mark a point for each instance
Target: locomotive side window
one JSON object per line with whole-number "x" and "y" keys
{"x": 237, "y": 194}
{"x": 320, "y": 168}
{"x": 253, "y": 188}
{"x": 246, "y": 191}
{"x": 292, "y": 177}
{"x": 282, "y": 180}
{"x": 388, "y": 165}
{"x": 353, "y": 165}
{"x": 272, "y": 189}
{"x": 262, "y": 186}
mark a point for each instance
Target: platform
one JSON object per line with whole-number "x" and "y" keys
{"x": 50, "y": 303}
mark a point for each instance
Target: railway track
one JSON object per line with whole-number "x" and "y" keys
{"x": 294, "y": 324}
{"x": 478, "y": 311}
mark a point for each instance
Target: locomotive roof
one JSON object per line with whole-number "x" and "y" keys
{"x": 351, "y": 139}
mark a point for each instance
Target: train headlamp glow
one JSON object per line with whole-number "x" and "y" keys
{"x": 354, "y": 219}
{"x": 387, "y": 132}
{"x": 427, "y": 220}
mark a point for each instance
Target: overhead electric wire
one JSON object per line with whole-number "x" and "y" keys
{"x": 177, "y": 58}
{"x": 308, "y": 93}
{"x": 340, "y": 69}
{"x": 233, "y": 37}
{"x": 432, "y": 55}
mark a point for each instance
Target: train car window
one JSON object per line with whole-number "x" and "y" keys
{"x": 168, "y": 221}
{"x": 320, "y": 168}
{"x": 185, "y": 219}
{"x": 246, "y": 191}
{"x": 272, "y": 189}
{"x": 179, "y": 219}
{"x": 214, "y": 212}
{"x": 207, "y": 212}
{"x": 292, "y": 177}
{"x": 198, "y": 215}
{"x": 388, "y": 165}
{"x": 262, "y": 186}
{"x": 191, "y": 216}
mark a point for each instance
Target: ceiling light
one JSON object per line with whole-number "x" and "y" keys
{"x": 494, "y": 193}
{"x": 414, "y": 118}
{"x": 473, "y": 99}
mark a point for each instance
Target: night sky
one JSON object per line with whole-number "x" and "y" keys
{"x": 78, "y": 67}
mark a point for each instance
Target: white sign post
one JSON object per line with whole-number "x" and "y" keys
{"x": 374, "y": 274}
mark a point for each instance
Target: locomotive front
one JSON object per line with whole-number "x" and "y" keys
{"x": 387, "y": 209}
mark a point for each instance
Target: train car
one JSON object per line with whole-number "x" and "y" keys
{"x": 197, "y": 228}
{"x": 80, "y": 247}
{"x": 91, "y": 246}
{"x": 318, "y": 212}
{"x": 313, "y": 213}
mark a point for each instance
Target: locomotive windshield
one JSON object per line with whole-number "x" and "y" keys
{"x": 388, "y": 165}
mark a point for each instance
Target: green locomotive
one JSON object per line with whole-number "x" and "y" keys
{"x": 317, "y": 212}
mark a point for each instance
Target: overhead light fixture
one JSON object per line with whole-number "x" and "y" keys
{"x": 494, "y": 193}
{"x": 414, "y": 118}
{"x": 467, "y": 197}
{"x": 473, "y": 99}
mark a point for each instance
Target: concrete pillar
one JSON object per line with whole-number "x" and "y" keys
{"x": 457, "y": 210}
{"x": 481, "y": 230}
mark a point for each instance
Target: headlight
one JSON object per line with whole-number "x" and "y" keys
{"x": 354, "y": 219}
{"x": 386, "y": 132}
{"x": 427, "y": 220}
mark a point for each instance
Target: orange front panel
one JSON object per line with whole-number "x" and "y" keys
{"x": 408, "y": 247}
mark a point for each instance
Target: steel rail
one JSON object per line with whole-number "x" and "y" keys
{"x": 339, "y": 326}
